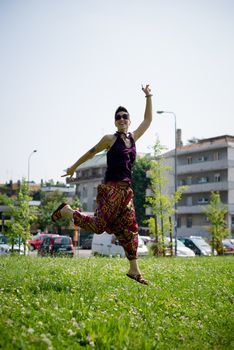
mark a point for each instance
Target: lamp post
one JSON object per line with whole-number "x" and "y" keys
{"x": 29, "y": 157}
{"x": 175, "y": 174}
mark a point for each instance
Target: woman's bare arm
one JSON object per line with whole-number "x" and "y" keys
{"x": 105, "y": 143}
{"x": 147, "y": 116}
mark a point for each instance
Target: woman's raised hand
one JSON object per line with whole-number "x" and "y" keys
{"x": 146, "y": 90}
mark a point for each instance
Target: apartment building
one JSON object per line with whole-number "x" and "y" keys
{"x": 68, "y": 190}
{"x": 204, "y": 166}
{"x": 88, "y": 176}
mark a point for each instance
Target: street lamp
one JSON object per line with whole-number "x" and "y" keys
{"x": 175, "y": 166}
{"x": 29, "y": 157}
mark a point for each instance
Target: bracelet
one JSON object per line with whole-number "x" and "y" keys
{"x": 148, "y": 96}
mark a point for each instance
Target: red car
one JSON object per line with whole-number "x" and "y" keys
{"x": 57, "y": 246}
{"x": 228, "y": 247}
{"x": 37, "y": 240}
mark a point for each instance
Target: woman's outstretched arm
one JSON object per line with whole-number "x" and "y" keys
{"x": 147, "y": 116}
{"x": 103, "y": 144}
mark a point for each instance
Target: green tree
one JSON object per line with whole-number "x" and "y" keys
{"x": 49, "y": 203}
{"x": 22, "y": 215}
{"x": 161, "y": 204}
{"x": 140, "y": 182}
{"x": 216, "y": 212}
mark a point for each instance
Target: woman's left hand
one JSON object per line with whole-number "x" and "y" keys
{"x": 146, "y": 90}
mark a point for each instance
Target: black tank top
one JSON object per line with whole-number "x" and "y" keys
{"x": 120, "y": 159}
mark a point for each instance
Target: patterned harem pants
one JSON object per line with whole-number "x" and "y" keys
{"x": 115, "y": 213}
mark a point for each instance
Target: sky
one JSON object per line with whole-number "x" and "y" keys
{"x": 66, "y": 65}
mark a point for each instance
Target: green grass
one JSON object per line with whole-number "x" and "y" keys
{"x": 58, "y": 303}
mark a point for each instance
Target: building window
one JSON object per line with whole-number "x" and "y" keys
{"x": 101, "y": 171}
{"x": 216, "y": 156}
{"x": 178, "y": 223}
{"x": 94, "y": 173}
{"x": 189, "y": 201}
{"x": 203, "y": 180}
{"x": 182, "y": 182}
{"x": 189, "y": 160}
{"x": 217, "y": 178}
{"x": 203, "y": 159}
{"x": 232, "y": 221}
{"x": 189, "y": 180}
{"x": 189, "y": 221}
{"x": 94, "y": 191}
{"x": 84, "y": 192}
{"x": 84, "y": 206}
{"x": 85, "y": 173}
{"x": 203, "y": 200}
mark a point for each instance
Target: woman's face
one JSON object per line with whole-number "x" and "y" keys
{"x": 122, "y": 121}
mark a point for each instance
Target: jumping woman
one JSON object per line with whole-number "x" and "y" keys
{"x": 115, "y": 212}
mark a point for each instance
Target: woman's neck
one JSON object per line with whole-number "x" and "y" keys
{"x": 122, "y": 133}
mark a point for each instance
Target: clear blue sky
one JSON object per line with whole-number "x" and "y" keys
{"x": 65, "y": 66}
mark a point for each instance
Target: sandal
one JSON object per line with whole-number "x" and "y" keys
{"x": 57, "y": 214}
{"x": 138, "y": 278}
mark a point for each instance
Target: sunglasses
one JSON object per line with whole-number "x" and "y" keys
{"x": 124, "y": 116}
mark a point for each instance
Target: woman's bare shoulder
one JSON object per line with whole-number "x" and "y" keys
{"x": 109, "y": 139}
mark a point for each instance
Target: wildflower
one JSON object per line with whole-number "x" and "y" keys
{"x": 46, "y": 340}
{"x": 71, "y": 333}
{"x": 30, "y": 330}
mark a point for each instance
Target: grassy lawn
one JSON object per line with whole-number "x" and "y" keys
{"x": 56, "y": 303}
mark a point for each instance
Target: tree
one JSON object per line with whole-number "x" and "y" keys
{"x": 22, "y": 215}
{"x": 216, "y": 212}
{"x": 161, "y": 204}
{"x": 140, "y": 183}
{"x": 49, "y": 202}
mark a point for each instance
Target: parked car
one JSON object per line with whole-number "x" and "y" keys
{"x": 107, "y": 244}
{"x": 57, "y": 245}
{"x": 147, "y": 239}
{"x": 198, "y": 245}
{"x": 4, "y": 249}
{"x": 182, "y": 250}
{"x": 228, "y": 247}
{"x": 37, "y": 240}
{"x": 6, "y": 246}
{"x": 87, "y": 242}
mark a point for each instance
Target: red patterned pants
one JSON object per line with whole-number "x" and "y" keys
{"x": 115, "y": 213}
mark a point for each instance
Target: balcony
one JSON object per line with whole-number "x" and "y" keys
{"x": 191, "y": 209}
{"x": 201, "y": 167}
{"x": 197, "y": 209}
{"x": 207, "y": 187}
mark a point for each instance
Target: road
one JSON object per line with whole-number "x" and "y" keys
{"x": 83, "y": 253}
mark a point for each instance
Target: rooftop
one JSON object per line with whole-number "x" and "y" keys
{"x": 212, "y": 142}
{"x": 96, "y": 162}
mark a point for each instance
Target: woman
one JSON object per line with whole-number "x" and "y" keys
{"x": 115, "y": 212}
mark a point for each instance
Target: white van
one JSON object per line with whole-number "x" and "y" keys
{"x": 107, "y": 244}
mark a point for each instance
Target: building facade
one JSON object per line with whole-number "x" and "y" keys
{"x": 204, "y": 167}
{"x": 88, "y": 176}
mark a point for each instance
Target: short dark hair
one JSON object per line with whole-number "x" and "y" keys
{"x": 121, "y": 109}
